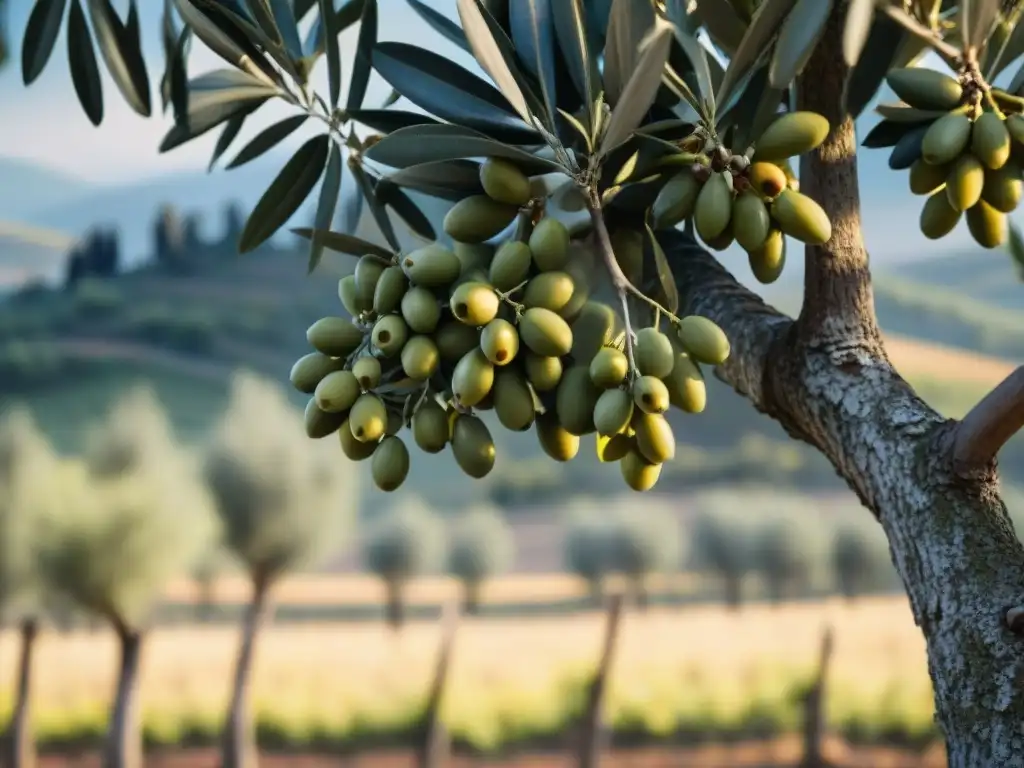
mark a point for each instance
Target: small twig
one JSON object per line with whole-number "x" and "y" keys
{"x": 620, "y": 282}
{"x": 916, "y": 28}
{"x": 990, "y": 424}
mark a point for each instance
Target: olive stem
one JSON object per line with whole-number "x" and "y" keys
{"x": 505, "y": 297}
{"x": 914, "y": 27}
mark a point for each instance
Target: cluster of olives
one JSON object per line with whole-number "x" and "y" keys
{"x": 965, "y": 152}
{"x": 751, "y": 200}
{"x": 439, "y": 335}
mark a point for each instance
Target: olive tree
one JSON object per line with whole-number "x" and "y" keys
{"x": 782, "y": 558}
{"x": 614, "y": 118}
{"x": 137, "y": 514}
{"x": 283, "y": 502}
{"x": 588, "y": 549}
{"x": 859, "y": 560}
{"x": 481, "y": 545}
{"x": 645, "y": 539}
{"x": 30, "y": 492}
{"x": 722, "y": 547}
{"x": 406, "y": 542}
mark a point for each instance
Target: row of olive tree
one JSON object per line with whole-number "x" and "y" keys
{"x": 411, "y": 540}
{"x": 104, "y": 532}
{"x": 779, "y": 551}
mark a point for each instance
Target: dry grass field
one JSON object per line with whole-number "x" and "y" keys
{"x": 677, "y": 669}
{"x": 917, "y": 358}
{"x": 364, "y": 589}
{"x": 751, "y": 754}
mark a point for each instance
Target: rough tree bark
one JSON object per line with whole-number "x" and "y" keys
{"x": 238, "y": 748}
{"x": 19, "y": 749}
{"x": 931, "y": 482}
{"x": 123, "y": 748}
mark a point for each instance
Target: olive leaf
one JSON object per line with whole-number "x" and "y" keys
{"x": 1016, "y": 248}
{"x": 227, "y": 135}
{"x": 628, "y": 25}
{"x": 641, "y": 88}
{"x": 85, "y": 71}
{"x": 252, "y": 39}
{"x": 666, "y": 280}
{"x": 351, "y": 208}
{"x": 445, "y": 179}
{"x": 449, "y": 91}
{"x": 332, "y": 48}
{"x": 286, "y": 193}
{"x": 122, "y": 54}
{"x": 887, "y": 134}
{"x": 377, "y": 209}
{"x": 210, "y": 34}
{"x": 407, "y": 210}
{"x": 441, "y": 24}
{"x": 177, "y": 78}
{"x": 288, "y": 28}
{"x": 40, "y": 36}
{"x": 213, "y": 98}
{"x": 723, "y": 24}
{"x": 222, "y": 32}
{"x": 884, "y": 41}
{"x": 798, "y": 37}
{"x": 344, "y": 243}
{"x": 267, "y": 139}
{"x": 496, "y": 55}
{"x": 857, "y": 27}
{"x": 571, "y": 30}
{"x": 389, "y": 120}
{"x": 364, "y": 54}
{"x": 329, "y": 191}
{"x": 302, "y": 7}
{"x": 697, "y": 55}
{"x": 755, "y": 43}
{"x": 430, "y": 143}
{"x": 533, "y": 37}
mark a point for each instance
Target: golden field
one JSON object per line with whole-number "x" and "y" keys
{"x": 359, "y": 589}
{"x": 676, "y": 669}
{"x": 914, "y": 358}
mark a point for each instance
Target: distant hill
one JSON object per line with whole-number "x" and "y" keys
{"x": 26, "y": 187}
{"x": 979, "y": 275}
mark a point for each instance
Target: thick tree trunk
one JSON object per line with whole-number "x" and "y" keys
{"x": 640, "y": 594}
{"x": 471, "y": 597}
{"x": 394, "y": 604}
{"x": 238, "y": 743}
{"x": 733, "y": 586}
{"x": 19, "y": 748}
{"x": 826, "y": 379}
{"x": 123, "y": 748}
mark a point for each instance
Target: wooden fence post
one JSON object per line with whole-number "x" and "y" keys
{"x": 592, "y": 732}
{"x": 435, "y": 748}
{"x": 814, "y": 708}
